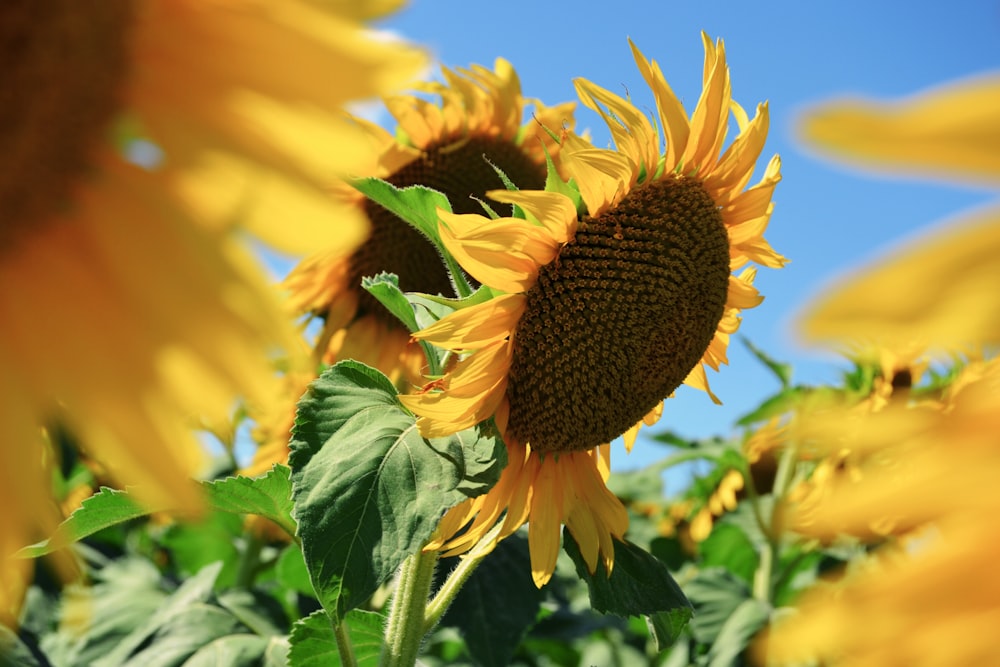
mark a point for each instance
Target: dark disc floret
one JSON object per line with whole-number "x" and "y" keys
{"x": 458, "y": 170}
{"x": 64, "y": 70}
{"x": 617, "y": 321}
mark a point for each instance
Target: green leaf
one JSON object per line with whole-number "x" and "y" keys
{"x": 729, "y": 547}
{"x": 385, "y": 288}
{"x": 230, "y": 651}
{"x": 193, "y": 591}
{"x": 368, "y": 489}
{"x": 104, "y": 509}
{"x": 184, "y": 633}
{"x": 774, "y": 406}
{"x": 126, "y": 592}
{"x": 782, "y": 371}
{"x": 716, "y": 594}
{"x": 666, "y": 627}
{"x": 255, "y": 609}
{"x": 193, "y": 546}
{"x": 276, "y": 652}
{"x": 269, "y": 496}
{"x": 497, "y": 605}
{"x": 313, "y": 643}
{"x": 13, "y": 652}
{"x": 640, "y": 585}
{"x": 416, "y": 205}
{"x": 749, "y": 617}
{"x": 292, "y": 573}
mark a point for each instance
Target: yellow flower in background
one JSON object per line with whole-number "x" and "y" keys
{"x": 130, "y": 308}
{"x": 445, "y": 145}
{"x": 448, "y": 145}
{"x": 930, "y": 473}
{"x": 941, "y": 290}
{"x": 950, "y": 132}
{"x": 600, "y": 313}
{"x": 929, "y": 467}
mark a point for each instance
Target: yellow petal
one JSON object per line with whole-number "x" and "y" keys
{"x": 476, "y": 326}
{"x": 552, "y": 210}
{"x": 949, "y": 132}
{"x": 674, "y": 123}
{"x": 505, "y": 253}
{"x": 942, "y": 290}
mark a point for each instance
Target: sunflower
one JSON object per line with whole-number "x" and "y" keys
{"x": 930, "y": 467}
{"x": 606, "y": 298}
{"x": 129, "y": 306}
{"x": 451, "y": 145}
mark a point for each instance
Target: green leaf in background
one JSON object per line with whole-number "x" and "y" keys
{"x": 186, "y": 631}
{"x": 640, "y": 585}
{"x": 240, "y": 650}
{"x": 291, "y": 571}
{"x": 104, "y": 509}
{"x": 749, "y": 617}
{"x": 368, "y": 489}
{"x": 195, "y": 545}
{"x": 13, "y": 652}
{"x": 313, "y": 643}
{"x": 497, "y": 605}
{"x": 193, "y": 591}
{"x": 781, "y": 370}
{"x": 729, "y": 547}
{"x": 716, "y": 595}
{"x": 269, "y": 496}
{"x": 417, "y": 204}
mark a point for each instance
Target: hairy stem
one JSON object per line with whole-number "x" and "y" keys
{"x": 405, "y": 630}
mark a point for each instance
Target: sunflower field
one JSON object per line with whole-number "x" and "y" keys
{"x": 399, "y": 451}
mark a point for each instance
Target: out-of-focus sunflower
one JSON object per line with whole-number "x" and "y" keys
{"x": 932, "y": 466}
{"x": 129, "y": 308}
{"x": 939, "y": 291}
{"x": 451, "y": 145}
{"x": 600, "y": 311}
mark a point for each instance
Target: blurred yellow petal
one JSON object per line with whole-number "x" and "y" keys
{"x": 940, "y": 290}
{"x": 948, "y": 132}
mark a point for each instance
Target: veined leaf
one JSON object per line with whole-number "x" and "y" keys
{"x": 640, "y": 585}
{"x": 368, "y": 489}
{"x": 313, "y": 643}
{"x": 417, "y": 205}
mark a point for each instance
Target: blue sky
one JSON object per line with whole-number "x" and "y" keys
{"x": 827, "y": 219}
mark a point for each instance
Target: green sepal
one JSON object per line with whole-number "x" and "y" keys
{"x": 417, "y": 205}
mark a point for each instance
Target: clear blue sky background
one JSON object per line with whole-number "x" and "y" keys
{"x": 828, "y": 219}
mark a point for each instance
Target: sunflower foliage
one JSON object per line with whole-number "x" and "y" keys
{"x": 278, "y": 561}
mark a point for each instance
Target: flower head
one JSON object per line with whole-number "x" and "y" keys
{"x": 607, "y": 297}
{"x": 453, "y": 145}
{"x": 930, "y": 467}
{"x": 129, "y": 310}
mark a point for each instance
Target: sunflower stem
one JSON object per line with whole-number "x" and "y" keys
{"x": 249, "y": 562}
{"x": 347, "y": 658}
{"x": 453, "y": 584}
{"x": 762, "y": 589}
{"x": 405, "y": 629}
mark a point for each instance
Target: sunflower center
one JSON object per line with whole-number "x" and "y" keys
{"x": 460, "y": 173}
{"x": 63, "y": 68}
{"x": 617, "y": 321}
